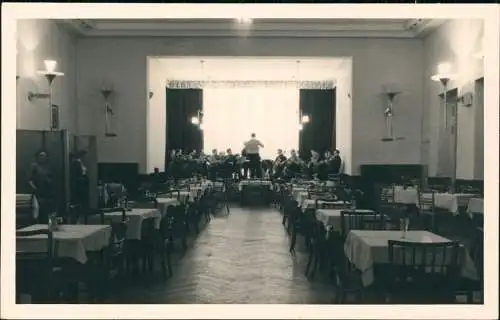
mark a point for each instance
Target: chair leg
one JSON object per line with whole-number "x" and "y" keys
{"x": 293, "y": 240}
{"x": 309, "y": 262}
{"x": 163, "y": 264}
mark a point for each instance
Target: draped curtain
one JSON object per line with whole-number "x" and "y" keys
{"x": 319, "y": 133}
{"x": 182, "y": 105}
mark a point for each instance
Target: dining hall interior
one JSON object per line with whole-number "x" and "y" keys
{"x": 249, "y": 161}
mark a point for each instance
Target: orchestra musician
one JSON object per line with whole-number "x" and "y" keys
{"x": 314, "y": 162}
{"x": 293, "y": 165}
{"x": 279, "y": 164}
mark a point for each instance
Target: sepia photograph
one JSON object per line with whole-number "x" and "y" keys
{"x": 231, "y": 155}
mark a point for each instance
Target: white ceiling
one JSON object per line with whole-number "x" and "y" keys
{"x": 252, "y": 69}
{"x": 381, "y": 28}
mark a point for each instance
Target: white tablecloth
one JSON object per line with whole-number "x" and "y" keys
{"x": 135, "y": 218}
{"x": 476, "y": 206}
{"x": 300, "y": 196}
{"x": 451, "y": 202}
{"x": 72, "y": 241}
{"x": 310, "y": 204}
{"x": 331, "y": 217}
{"x": 254, "y": 183}
{"x": 164, "y": 203}
{"x": 405, "y": 196}
{"x": 366, "y": 248}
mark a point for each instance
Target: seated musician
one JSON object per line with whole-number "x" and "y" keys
{"x": 336, "y": 163}
{"x": 293, "y": 165}
{"x": 325, "y": 166}
{"x": 244, "y": 163}
{"x": 213, "y": 160}
{"x": 279, "y": 164}
{"x": 229, "y": 164}
{"x": 313, "y": 164}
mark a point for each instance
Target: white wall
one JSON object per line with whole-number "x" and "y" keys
{"x": 156, "y": 113}
{"x": 456, "y": 42}
{"x": 376, "y": 61}
{"x": 39, "y": 40}
{"x": 343, "y": 117}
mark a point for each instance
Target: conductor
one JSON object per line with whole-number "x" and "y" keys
{"x": 252, "y": 148}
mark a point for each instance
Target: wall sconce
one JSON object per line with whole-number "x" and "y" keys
{"x": 390, "y": 92}
{"x": 198, "y": 119}
{"x": 444, "y": 75}
{"x": 50, "y": 74}
{"x": 106, "y": 92}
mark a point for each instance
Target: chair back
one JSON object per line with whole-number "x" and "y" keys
{"x": 353, "y": 220}
{"x": 426, "y": 201}
{"x": 418, "y": 262}
{"x": 386, "y": 194}
{"x": 47, "y": 254}
{"x": 34, "y": 270}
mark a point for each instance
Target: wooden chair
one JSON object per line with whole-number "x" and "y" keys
{"x": 37, "y": 273}
{"x": 347, "y": 279}
{"x": 476, "y": 251}
{"x": 385, "y": 203}
{"x": 299, "y": 223}
{"x": 427, "y": 210}
{"x": 422, "y": 272}
{"x": 120, "y": 253}
{"x": 219, "y": 192}
{"x": 317, "y": 242}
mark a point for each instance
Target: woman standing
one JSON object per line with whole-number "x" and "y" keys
{"x": 42, "y": 185}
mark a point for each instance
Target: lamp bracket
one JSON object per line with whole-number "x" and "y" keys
{"x": 37, "y": 95}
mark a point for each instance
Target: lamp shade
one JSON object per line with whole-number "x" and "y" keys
{"x": 195, "y": 120}
{"x": 50, "y": 65}
{"x": 305, "y": 119}
{"x": 444, "y": 68}
{"x": 444, "y": 72}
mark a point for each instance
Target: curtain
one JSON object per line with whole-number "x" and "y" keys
{"x": 182, "y": 105}
{"x": 319, "y": 133}
{"x": 231, "y": 115}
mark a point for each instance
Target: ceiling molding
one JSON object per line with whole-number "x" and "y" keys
{"x": 298, "y": 28}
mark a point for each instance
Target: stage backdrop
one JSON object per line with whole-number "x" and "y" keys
{"x": 182, "y": 105}
{"x": 319, "y": 134}
{"x": 231, "y": 115}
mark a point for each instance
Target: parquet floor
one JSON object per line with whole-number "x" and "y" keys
{"x": 241, "y": 258}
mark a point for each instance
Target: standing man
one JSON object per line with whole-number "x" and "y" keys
{"x": 336, "y": 163}
{"x": 252, "y": 148}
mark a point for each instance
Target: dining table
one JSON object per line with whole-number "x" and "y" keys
{"x": 366, "y": 249}
{"x": 71, "y": 241}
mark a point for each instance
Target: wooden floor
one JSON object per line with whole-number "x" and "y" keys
{"x": 241, "y": 258}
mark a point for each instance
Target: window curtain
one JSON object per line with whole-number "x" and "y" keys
{"x": 319, "y": 133}
{"x": 182, "y": 105}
